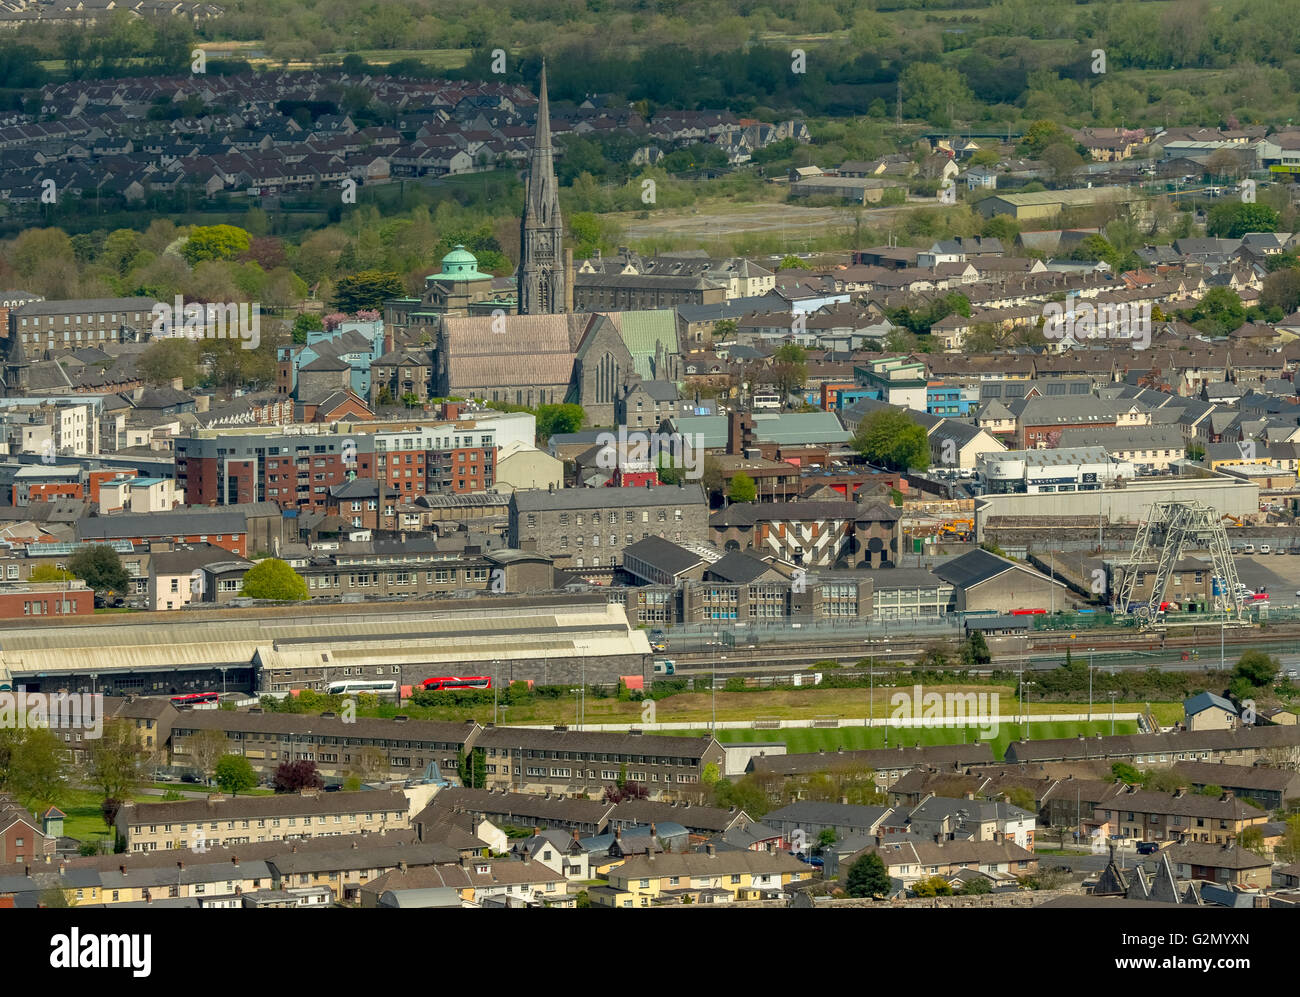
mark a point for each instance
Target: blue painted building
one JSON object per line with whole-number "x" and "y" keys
{"x": 358, "y": 344}
{"x": 949, "y": 400}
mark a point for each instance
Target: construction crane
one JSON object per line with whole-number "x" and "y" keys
{"x": 1170, "y": 530}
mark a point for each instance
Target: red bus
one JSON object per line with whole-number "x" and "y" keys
{"x": 445, "y": 683}
{"x": 194, "y": 698}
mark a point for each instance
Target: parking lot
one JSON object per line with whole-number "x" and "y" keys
{"x": 1279, "y": 574}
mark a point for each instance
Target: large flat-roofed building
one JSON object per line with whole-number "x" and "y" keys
{"x": 1065, "y": 469}
{"x": 1001, "y": 514}
{"x": 1050, "y": 203}
{"x": 586, "y": 762}
{"x": 545, "y": 638}
{"x": 592, "y": 526}
{"x": 225, "y": 822}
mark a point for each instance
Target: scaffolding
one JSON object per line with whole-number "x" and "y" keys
{"x": 1168, "y": 532}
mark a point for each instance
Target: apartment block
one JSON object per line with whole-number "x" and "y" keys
{"x": 228, "y": 822}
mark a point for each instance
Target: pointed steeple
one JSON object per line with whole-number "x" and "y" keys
{"x": 541, "y": 274}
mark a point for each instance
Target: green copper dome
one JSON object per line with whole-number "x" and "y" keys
{"x": 461, "y": 263}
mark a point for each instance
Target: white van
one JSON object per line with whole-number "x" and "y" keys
{"x": 1248, "y": 549}
{"x": 1264, "y": 548}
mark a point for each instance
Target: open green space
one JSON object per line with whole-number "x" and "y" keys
{"x": 804, "y": 740}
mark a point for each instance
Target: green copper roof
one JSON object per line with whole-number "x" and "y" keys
{"x": 460, "y": 264}
{"x": 641, "y": 330}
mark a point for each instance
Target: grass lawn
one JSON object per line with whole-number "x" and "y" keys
{"x": 804, "y": 740}
{"x": 783, "y": 703}
{"x": 85, "y": 821}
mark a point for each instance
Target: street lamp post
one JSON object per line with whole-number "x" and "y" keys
{"x": 1026, "y": 720}
{"x": 714, "y": 690}
{"x": 1113, "y": 694}
{"x": 1090, "y": 651}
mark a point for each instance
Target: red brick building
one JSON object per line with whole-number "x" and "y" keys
{"x": 298, "y": 471}
{"x": 23, "y": 842}
{"x": 227, "y": 530}
{"x": 1041, "y": 420}
{"x": 72, "y": 598}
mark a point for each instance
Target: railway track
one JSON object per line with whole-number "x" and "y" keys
{"x": 1042, "y": 649}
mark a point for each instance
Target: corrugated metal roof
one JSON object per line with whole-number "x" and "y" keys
{"x": 192, "y": 641}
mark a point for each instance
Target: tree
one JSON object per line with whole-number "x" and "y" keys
{"x": 37, "y": 769}
{"x": 935, "y": 886}
{"x": 742, "y": 488}
{"x": 935, "y": 93}
{"x": 305, "y": 323}
{"x": 371, "y": 764}
{"x": 54, "y": 896}
{"x": 868, "y": 877}
{"x": 1281, "y": 290}
{"x": 744, "y": 794}
{"x": 100, "y": 568}
{"x": 1257, "y": 668}
{"x": 1218, "y": 312}
{"x": 627, "y": 791}
{"x": 1233, "y": 219}
{"x": 669, "y": 472}
{"x": 889, "y": 437}
{"x": 215, "y": 242}
{"x": 50, "y": 573}
{"x": 978, "y": 649}
{"x": 167, "y": 359}
{"x": 1039, "y": 135}
{"x": 116, "y": 763}
{"x": 712, "y": 478}
{"x": 790, "y": 368}
{"x": 367, "y": 289}
{"x": 1126, "y": 773}
{"x": 1062, "y": 159}
{"x": 235, "y": 774}
{"x": 1251, "y": 839}
{"x": 557, "y": 419}
{"x": 207, "y": 747}
{"x": 975, "y": 887}
{"x": 291, "y": 776}
{"x": 1022, "y": 797}
{"x": 791, "y": 262}
{"x": 983, "y": 337}
{"x": 710, "y": 774}
{"x": 274, "y": 579}
{"x": 1223, "y": 163}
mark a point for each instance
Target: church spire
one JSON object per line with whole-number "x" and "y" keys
{"x": 541, "y": 275}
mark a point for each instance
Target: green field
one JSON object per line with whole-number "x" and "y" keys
{"x": 84, "y": 821}
{"x": 803, "y": 740}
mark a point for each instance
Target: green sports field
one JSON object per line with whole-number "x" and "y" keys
{"x": 801, "y": 740}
